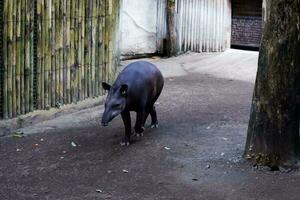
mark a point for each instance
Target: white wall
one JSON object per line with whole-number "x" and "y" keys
{"x": 202, "y": 25}
{"x": 138, "y": 26}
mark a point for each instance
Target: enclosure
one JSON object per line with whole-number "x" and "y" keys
{"x": 226, "y": 125}
{"x": 57, "y": 52}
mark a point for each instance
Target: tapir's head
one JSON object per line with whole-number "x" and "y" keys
{"x": 115, "y": 102}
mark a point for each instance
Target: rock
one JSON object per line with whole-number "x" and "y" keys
{"x": 73, "y": 144}
{"x": 285, "y": 170}
{"x": 4, "y": 131}
{"x": 19, "y": 134}
{"x": 47, "y": 107}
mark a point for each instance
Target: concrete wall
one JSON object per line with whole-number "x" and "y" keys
{"x": 138, "y": 26}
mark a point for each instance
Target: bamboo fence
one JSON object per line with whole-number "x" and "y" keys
{"x": 55, "y": 52}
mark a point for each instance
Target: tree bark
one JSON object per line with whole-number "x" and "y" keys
{"x": 171, "y": 29}
{"x": 273, "y": 132}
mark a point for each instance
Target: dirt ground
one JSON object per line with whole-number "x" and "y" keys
{"x": 194, "y": 154}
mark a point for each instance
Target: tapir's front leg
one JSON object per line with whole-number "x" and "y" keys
{"x": 127, "y": 123}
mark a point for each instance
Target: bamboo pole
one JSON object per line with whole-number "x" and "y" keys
{"x": 42, "y": 44}
{"x": 5, "y": 58}
{"x": 57, "y": 39}
{"x": 97, "y": 40}
{"x": 101, "y": 46}
{"x": 110, "y": 34}
{"x": 27, "y": 55}
{"x": 47, "y": 53}
{"x": 22, "y": 61}
{"x": 81, "y": 48}
{"x": 103, "y": 65}
{"x": 61, "y": 50}
{"x": 31, "y": 49}
{"x": 89, "y": 40}
{"x": 77, "y": 51}
{"x": 73, "y": 49}
{"x": 18, "y": 54}
{"x": 86, "y": 49}
{"x": 14, "y": 60}
{"x": 68, "y": 61}
{"x": 1, "y": 58}
{"x": 9, "y": 58}
{"x": 53, "y": 54}
{"x": 94, "y": 46}
{"x": 39, "y": 55}
{"x": 76, "y": 42}
{"x": 64, "y": 53}
{"x": 106, "y": 41}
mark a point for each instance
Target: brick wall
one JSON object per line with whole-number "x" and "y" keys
{"x": 246, "y": 31}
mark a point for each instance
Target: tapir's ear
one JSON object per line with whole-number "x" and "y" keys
{"x": 106, "y": 86}
{"x": 124, "y": 89}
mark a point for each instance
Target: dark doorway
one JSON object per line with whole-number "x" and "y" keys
{"x": 246, "y": 24}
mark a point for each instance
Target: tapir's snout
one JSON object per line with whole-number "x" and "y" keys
{"x": 108, "y": 116}
{"x": 105, "y": 119}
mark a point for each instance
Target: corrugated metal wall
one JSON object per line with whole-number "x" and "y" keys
{"x": 203, "y": 25}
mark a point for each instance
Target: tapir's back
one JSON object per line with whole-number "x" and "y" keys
{"x": 144, "y": 80}
{"x": 140, "y": 72}
{"x": 142, "y": 69}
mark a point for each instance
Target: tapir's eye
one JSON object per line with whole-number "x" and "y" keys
{"x": 116, "y": 106}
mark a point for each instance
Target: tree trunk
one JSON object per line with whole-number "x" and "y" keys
{"x": 171, "y": 29}
{"x": 273, "y": 132}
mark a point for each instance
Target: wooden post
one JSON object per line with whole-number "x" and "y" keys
{"x": 171, "y": 29}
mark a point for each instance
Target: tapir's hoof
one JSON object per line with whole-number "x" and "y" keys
{"x": 124, "y": 144}
{"x": 139, "y": 131}
{"x": 140, "y": 134}
{"x": 154, "y": 125}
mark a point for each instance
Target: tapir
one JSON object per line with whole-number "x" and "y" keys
{"x": 136, "y": 88}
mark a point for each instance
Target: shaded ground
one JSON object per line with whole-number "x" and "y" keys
{"x": 194, "y": 154}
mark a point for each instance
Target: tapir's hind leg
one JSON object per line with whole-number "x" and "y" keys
{"x": 154, "y": 122}
{"x": 141, "y": 117}
{"x": 127, "y": 123}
